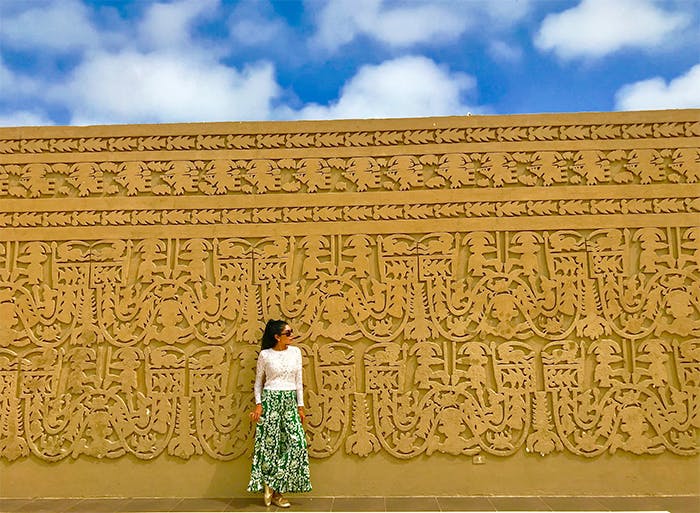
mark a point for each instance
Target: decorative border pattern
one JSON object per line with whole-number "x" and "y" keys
{"x": 445, "y": 171}
{"x": 332, "y": 213}
{"x": 354, "y": 139}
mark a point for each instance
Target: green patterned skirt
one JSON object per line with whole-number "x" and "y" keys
{"x": 280, "y": 458}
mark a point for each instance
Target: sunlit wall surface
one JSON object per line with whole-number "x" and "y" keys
{"x": 519, "y": 290}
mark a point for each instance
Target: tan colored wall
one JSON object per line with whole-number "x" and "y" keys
{"x": 523, "y": 289}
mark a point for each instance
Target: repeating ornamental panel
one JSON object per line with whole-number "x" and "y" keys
{"x": 149, "y": 178}
{"x": 458, "y": 285}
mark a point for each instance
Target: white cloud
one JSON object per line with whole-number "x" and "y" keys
{"x": 14, "y": 85}
{"x": 682, "y": 92}
{"x": 255, "y": 33}
{"x": 24, "y": 118}
{"x": 55, "y": 26}
{"x": 595, "y": 28}
{"x": 62, "y": 26}
{"x": 168, "y": 25}
{"x": 340, "y": 21}
{"x": 254, "y": 23}
{"x": 401, "y": 24}
{"x": 502, "y": 51}
{"x": 505, "y": 12}
{"x": 404, "y": 87}
{"x": 131, "y": 87}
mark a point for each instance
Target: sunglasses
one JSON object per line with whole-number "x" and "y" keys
{"x": 287, "y": 333}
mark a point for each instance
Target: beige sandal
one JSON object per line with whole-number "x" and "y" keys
{"x": 279, "y": 501}
{"x": 267, "y": 495}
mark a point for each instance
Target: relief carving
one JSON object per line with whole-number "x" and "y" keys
{"x": 587, "y": 342}
{"x": 134, "y": 287}
{"x": 322, "y": 175}
{"x": 352, "y": 138}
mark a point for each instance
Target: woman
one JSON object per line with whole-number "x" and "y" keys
{"x": 280, "y": 459}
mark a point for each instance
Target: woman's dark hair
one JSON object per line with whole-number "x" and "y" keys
{"x": 272, "y": 328}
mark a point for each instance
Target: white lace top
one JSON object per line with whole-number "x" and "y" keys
{"x": 279, "y": 370}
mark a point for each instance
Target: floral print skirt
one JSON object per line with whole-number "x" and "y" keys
{"x": 280, "y": 458}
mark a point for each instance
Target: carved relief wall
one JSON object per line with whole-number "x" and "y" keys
{"x": 494, "y": 285}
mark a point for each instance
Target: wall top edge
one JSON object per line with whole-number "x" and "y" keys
{"x": 356, "y": 125}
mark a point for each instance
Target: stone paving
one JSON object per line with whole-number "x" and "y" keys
{"x": 685, "y": 504}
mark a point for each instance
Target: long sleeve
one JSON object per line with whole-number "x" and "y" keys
{"x": 299, "y": 383}
{"x": 259, "y": 379}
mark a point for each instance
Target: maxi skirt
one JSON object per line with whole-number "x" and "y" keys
{"x": 280, "y": 458}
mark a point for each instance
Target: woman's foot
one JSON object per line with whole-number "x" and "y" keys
{"x": 267, "y": 495}
{"x": 279, "y": 501}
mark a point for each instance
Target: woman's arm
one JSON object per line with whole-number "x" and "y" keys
{"x": 257, "y": 388}
{"x": 300, "y": 389}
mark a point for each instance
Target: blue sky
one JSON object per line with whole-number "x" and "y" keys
{"x": 80, "y": 62}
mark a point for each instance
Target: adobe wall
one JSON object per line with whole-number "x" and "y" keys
{"x": 486, "y": 305}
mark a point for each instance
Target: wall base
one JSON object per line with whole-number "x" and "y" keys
{"x": 376, "y": 475}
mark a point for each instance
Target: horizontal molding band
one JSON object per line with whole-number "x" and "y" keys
{"x": 348, "y": 152}
{"x": 363, "y": 134}
{"x": 552, "y": 222}
{"x": 437, "y": 172}
{"x": 341, "y": 199}
{"x": 348, "y": 213}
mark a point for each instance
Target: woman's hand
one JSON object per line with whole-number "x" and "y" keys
{"x": 256, "y": 413}
{"x": 302, "y": 415}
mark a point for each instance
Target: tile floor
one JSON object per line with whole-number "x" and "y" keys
{"x": 689, "y": 504}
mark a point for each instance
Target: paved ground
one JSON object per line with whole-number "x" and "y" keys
{"x": 300, "y": 503}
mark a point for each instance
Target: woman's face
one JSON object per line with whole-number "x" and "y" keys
{"x": 287, "y": 335}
